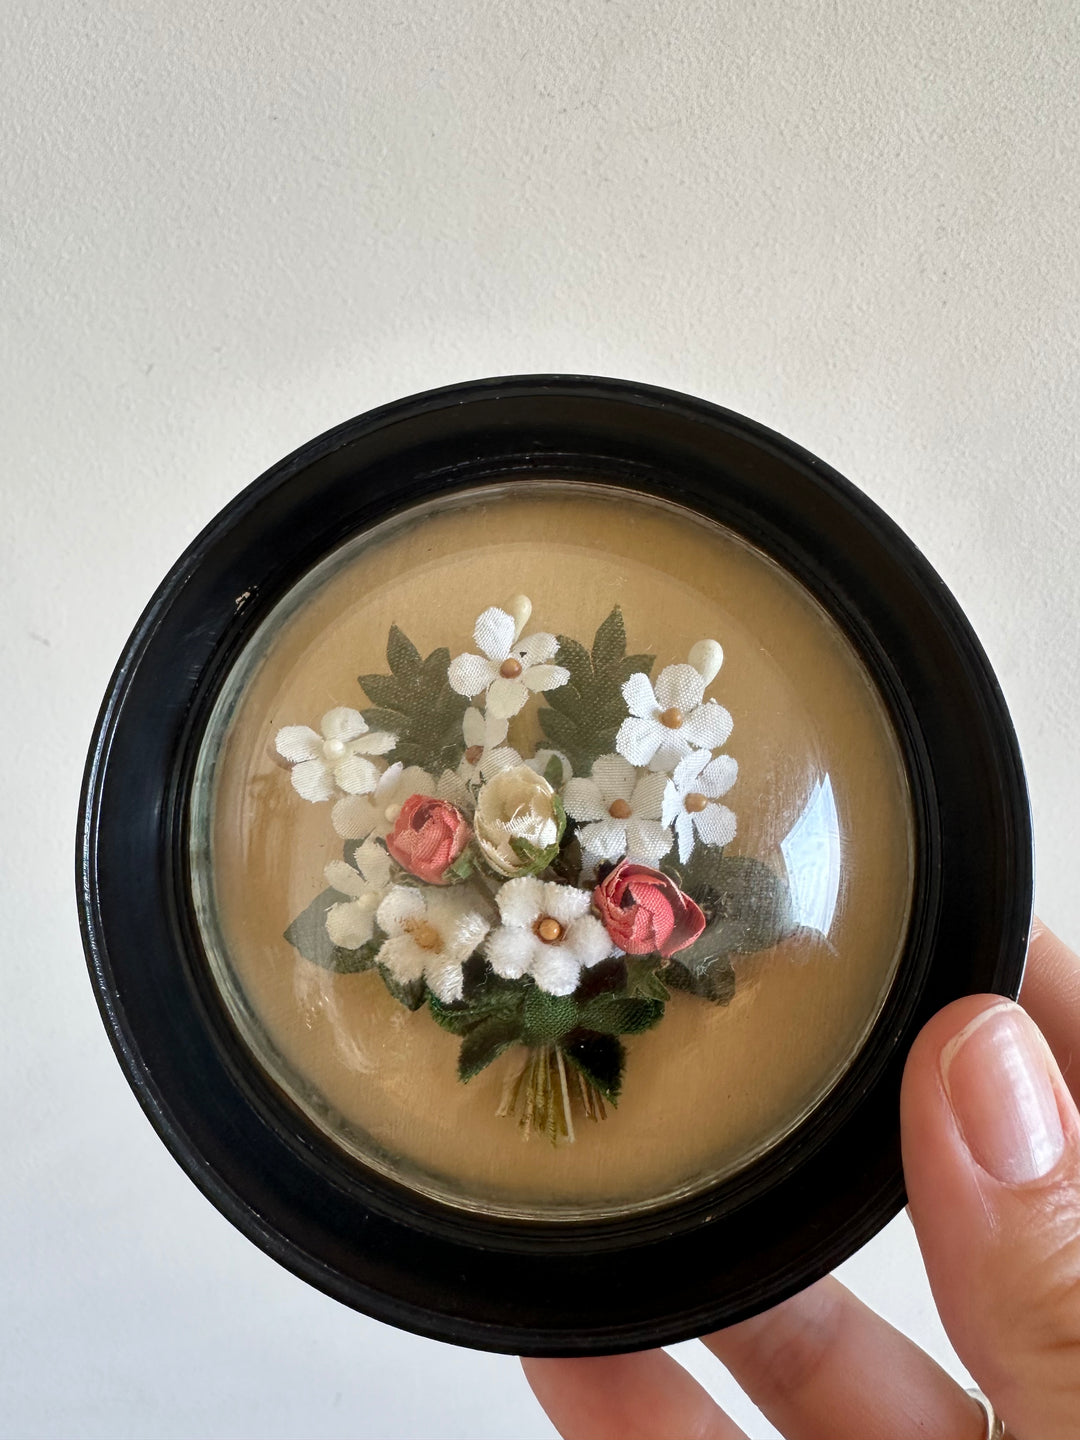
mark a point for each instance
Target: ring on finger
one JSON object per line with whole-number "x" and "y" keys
{"x": 995, "y": 1426}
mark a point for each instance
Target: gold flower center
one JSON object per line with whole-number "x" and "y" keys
{"x": 672, "y": 718}
{"x": 510, "y": 669}
{"x": 473, "y": 753}
{"x": 548, "y": 929}
{"x": 424, "y": 934}
{"x": 620, "y": 810}
{"x": 695, "y": 802}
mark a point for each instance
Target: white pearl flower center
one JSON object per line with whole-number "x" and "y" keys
{"x": 334, "y": 749}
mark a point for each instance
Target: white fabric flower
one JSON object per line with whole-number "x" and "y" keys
{"x": 357, "y": 816}
{"x": 548, "y": 933}
{"x": 484, "y": 756}
{"x": 690, "y": 801}
{"x": 323, "y": 765}
{"x": 431, "y": 933}
{"x": 622, "y": 808}
{"x": 508, "y": 670}
{"x": 669, "y": 722}
{"x": 351, "y": 923}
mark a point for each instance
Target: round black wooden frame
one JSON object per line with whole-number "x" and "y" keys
{"x": 565, "y": 1288}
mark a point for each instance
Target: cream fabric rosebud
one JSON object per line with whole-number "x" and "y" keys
{"x": 516, "y": 804}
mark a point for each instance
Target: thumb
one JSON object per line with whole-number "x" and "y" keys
{"x": 991, "y": 1142}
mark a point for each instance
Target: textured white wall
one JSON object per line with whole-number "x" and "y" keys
{"x": 227, "y": 226}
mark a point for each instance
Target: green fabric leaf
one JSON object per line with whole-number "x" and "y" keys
{"x": 401, "y": 654}
{"x": 548, "y": 1017}
{"x": 491, "y": 997}
{"x": 463, "y": 866}
{"x": 485, "y": 1043}
{"x": 553, "y": 772}
{"x": 385, "y": 691}
{"x": 566, "y": 700}
{"x": 714, "y": 981}
{"x": 608, "y": 977}
{"x": 564, "y": 732}
{"x": 645, "y": 979}
{"x": 377, "y": 717}
{"x": 583, "y": 717}
{"x": 619, "y": 1015}
{"x": 633, "y": 664}
{"x": 577, "y": 660}
{"x": 412, "y": 995}
{"x": 747, "y": 903}
{"x": 308, "y": 934}
{"x": 600, "y": 1058}
{"x": 609, "y": 646}
{"x": 415, "y": 701}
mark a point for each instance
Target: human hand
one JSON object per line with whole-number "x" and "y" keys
{"x": 991, "y": 1138}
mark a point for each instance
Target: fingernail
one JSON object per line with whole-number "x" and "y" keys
{"x": 996, "y": 1077}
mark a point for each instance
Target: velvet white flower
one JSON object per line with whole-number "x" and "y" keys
{"x": 357, "y": 816}
{"x": 508, "y": 669}
{"x": 484, "y": 756}
{"x": 430, "y": 933}
{"x": 324, "y": 765}
{"x": 548, "y": 933}
{"x": 691, "y": 801}
{"x": 669, "y": 722}
{"x": 351, "y": 923}
{"x": 618, "y": 811}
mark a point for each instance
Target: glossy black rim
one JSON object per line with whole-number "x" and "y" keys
{"x": 537, "y": 1287}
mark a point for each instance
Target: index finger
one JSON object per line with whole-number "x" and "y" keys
{"x": 1051, "y": 996}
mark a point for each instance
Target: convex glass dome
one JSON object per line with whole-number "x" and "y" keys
{"x": 553, "y": 850}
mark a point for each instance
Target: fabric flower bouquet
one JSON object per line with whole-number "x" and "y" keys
{"x": 546, "y": 904}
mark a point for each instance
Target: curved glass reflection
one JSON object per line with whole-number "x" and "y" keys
{"x": 812, "y": 853}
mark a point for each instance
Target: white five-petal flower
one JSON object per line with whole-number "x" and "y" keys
{"x": 430, "y": 933}
{"x": 622, "y": 809}
{"x": 669, "y": 722}
{"x": 356, "y": 816}
{"x": 351, "y": 923}
{"x": 690, "y": 801}
{"x": 508, "y": 669}
{"x": 546, "y": 932}
{"x": 324, "y": 765}
{"x": 484, "y": 756}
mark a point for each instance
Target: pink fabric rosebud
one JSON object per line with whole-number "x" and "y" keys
{"x": 428, "y": 836}
{"x": 644, "y": 912}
